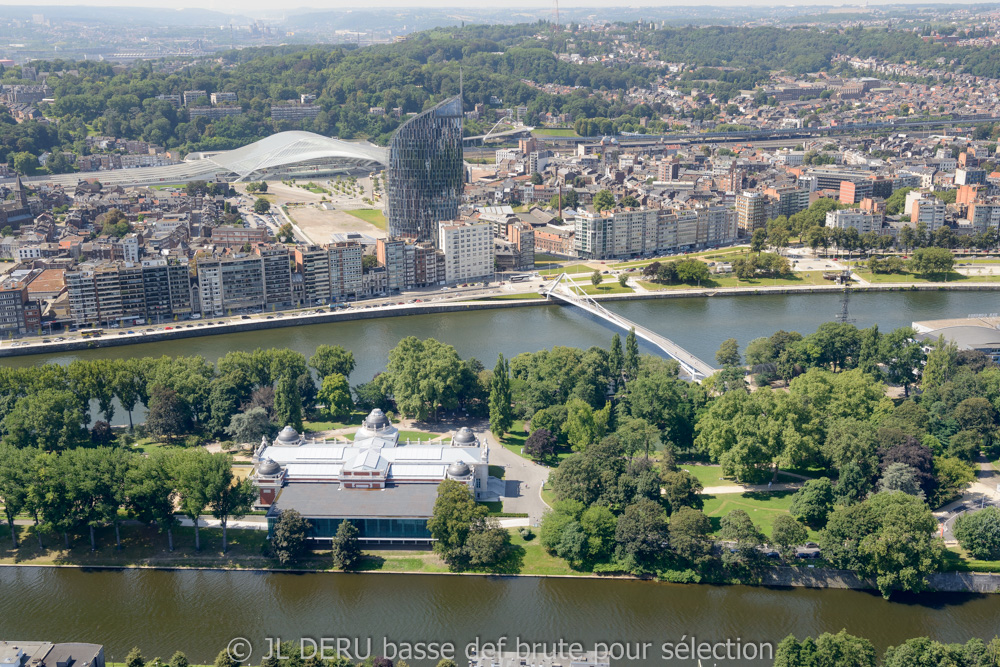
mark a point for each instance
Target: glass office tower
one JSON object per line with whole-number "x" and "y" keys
{"x": 425, "y": 172}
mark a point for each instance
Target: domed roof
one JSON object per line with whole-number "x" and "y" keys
{"x": 268, "y": 467}
{"x": 288, "y": 436}
{"x": 376, "y": 420}
{"x": 459, "y": 469}
{"x": 465, "y": 437}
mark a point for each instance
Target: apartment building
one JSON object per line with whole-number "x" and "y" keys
{"x": 468, "y": 249}
{"x": 752, "y": 209}
{"x": 13, "y": 297}
{"x": 277, "y": 276}
{"x": 231, "y": 282}
{"x": 629, "y": 232}
{"x": 239, "y": 236}
{"x": 849, "y": 218}
{"x": 345, "y": 269}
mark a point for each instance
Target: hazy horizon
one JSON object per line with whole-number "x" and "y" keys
{"x": 264, "y": 6}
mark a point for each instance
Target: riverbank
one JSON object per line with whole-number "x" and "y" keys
{"x": 196, "y": 329}
{"x": 145, "y": 549}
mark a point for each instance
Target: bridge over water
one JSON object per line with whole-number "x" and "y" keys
{"x": 573, "y": 295}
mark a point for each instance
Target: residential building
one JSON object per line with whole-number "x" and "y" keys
{"x": 751, "y": 212}
{"x": 294, "y": 112}
{"x": 848, "y": 218}
{"x": 467, "y": 248}
{"x": 13, "y": 297}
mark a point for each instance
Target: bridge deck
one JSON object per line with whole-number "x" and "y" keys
{"x": 691, "y": 364}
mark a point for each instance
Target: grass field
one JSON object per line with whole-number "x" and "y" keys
{"x": 709, "y": 475}
{"x": 718, "y": 282}
{"x": 354, "y": 419}
{"x": 957, "y": 560}
{"x": 555, "y": 132}
{"x": 713, "y": 255}
{"x": 906, "y": 277}
{"x": 762, "y": 508}
{"x": 370, "y": 215}
{"x": 607, "y": 287}
{"x": 574, "y": 268}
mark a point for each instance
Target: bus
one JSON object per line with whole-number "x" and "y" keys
{"x": 520, "y": 278}
{"x": 90, "y": 333}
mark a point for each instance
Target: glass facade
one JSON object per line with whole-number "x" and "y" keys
{"x": 413, "y": 529}
{"x": 425, "y": 172}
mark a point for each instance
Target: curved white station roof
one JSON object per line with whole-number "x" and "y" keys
{"x": 278, "y": 150}
{"x": 287, "y": 148}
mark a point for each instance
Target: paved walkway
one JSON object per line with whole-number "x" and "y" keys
{"x": 524, "y": 481}
{"x": 750, "y": 488}
{"x": 981, "y": 493}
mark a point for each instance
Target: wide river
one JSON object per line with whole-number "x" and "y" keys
{"x": 200, "y": 612}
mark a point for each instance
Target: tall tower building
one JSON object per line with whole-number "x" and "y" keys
{"x": 425, "y": 172}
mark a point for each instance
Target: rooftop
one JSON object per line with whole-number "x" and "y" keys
{"x": 415, "y": 501}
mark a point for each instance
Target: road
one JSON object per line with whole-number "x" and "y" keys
{"x": 984, "y": 492}
{"x": 524, "y": 481}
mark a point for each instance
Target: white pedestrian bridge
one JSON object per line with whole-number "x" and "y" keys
{"x": 571, "y": 294}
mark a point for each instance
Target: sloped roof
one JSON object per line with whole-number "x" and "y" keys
{"x": 287, "y": 148}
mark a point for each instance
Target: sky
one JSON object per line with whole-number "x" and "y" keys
{"x": 269, "y": 6}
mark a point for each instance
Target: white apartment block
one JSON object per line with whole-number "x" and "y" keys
{"x": 929, "y": 211}
{"x": 984, "y": 216}
{"x": 467, "y": 248}
{"x": 852, "y": 218}
{"x": 628, "y": 232}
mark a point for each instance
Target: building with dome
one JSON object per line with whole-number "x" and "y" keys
{"x": 384, "y": 485}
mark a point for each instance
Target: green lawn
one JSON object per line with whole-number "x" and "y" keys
{"x": 706, "y": 254}
{"x": 543, "y": 258}
{"x": 573, "y": 268}
{"x": 730, "y": 280}
{"x": 555, "y": 132}
{"x": 412, "y": 435}
{"x": 907, "y": 277}
{"x": 354, "y": 419}
{"x": 762, "y": 508}
{"x": 957, "y": 560}
{"x": 709, "y": 475}
{"x": 607, "y": 287}
{"x": 370, "y": 215}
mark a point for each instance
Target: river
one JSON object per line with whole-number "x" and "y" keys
{"x": 697, "y": 324}
{"x": 200, "y": 612}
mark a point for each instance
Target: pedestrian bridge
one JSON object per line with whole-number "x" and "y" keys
{"x": 572, "y": 294}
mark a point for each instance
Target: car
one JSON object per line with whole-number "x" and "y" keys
{"x": 129, "y": 331}
{"x": 48, "y": 340}
{"x": 167, "y": 328}
{"x": 417, "y": 301}
{"x": 270, "y": 317}
{"x": 244, "y": 317}
{"x": 120, "y": 333}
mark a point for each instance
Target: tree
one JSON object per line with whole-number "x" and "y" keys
{"x": 250, "y": 427}
{"x": 455, "y": 513}
{"x": 224, "y": 659}
{"x": 630, "y": 362}
{"x": 839, "y": 650}
{"x": 900, "y": 477}
{"x": 227, "y": 497}
{"x": 903, "y": 356}
{"x": 288, "y": 403}
{"x": 50, "y": 419}
{"x": 758, "y": 240}
{"x": 501, "y": 409}
{"x": 192, "y": 471}
{"x": 169, "y": 415}
{"x": 623, "y": 279}
{"x": 179, "y": 659}
{"x": 580, "y": 427}
{"x": 729, "y": 353}
{"x": 680, "y": 489}
{"x": 642, "y": 535}
{"x": 786, "y": 533}
{"x": 813, "y": 502}
{"x": 150, "y": 493}
{"x": 487, "y": 544}
{"x": 596, "y": 278}
{"x": 690, "y": 532}
{"x": 931, "y": 261}
{"x": 603, "y": 200}
{"x": 330, "y": 359}
{"x": 261, "y": 206}
{"x": 288, "y": 541}
{"x": 134, "y": 658}
{"x": 346, "y": 548}
{"x": 889, "y": 536}
{"x": 540, "y": 445}
{"x": 599, "y": 525}
{"x": 424, "y": 376}
{"x": 335, "y": 395}
{"x": 979, "y": 533}
{"x": 15, "y": 474}
{"x": 615, "y": 359}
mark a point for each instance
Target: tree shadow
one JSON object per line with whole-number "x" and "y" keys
{"x": 512, "y": 563}
{"x": 368, "y": 563}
